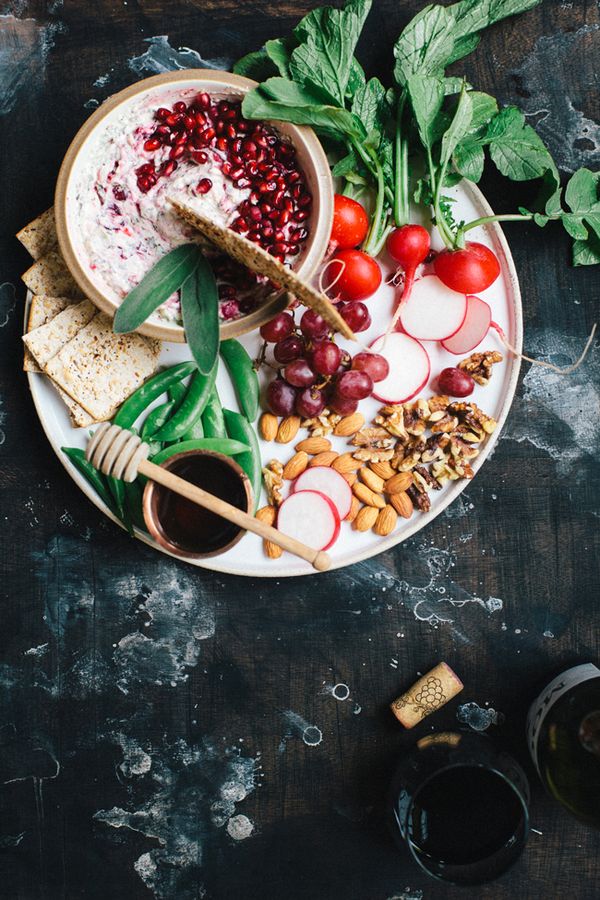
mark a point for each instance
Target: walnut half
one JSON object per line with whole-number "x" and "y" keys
{"x": 479, "y": 365}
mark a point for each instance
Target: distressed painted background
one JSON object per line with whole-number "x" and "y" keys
{"x": 169, "y": 733}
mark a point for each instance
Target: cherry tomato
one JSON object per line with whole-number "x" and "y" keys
{"x": 350, "y": 223}
{"x": 359, "y": 277}
{"x": 467, "y": 271}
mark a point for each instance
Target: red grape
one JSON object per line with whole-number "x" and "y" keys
{"x": 345, "y": 362}
{"x": 289, "y": 348}
{"x": 278, "y": 328}
{"x": 310, "y": 403}
{"x": 355, "y": 315}
{"x": 354, "y": 385}
{"x": 281, "y": 397}
{"x": 326, "y": 357}
{"x": 312, "y": 325}
{"x": 373, "y": 364}
{"x": 455, "y": 382}
{"x": 343, "y": 406}
{"x": 299, "y": 374}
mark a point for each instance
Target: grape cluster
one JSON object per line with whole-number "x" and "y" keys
{"x": 315, "y": 373}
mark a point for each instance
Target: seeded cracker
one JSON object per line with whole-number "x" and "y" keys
{"x": 39, "y": 237}
{"x": 41, "y": 310}
{"x": 100, "y": 369}
{"x": 50, "y": 275}
{"x": 261, "y": 262}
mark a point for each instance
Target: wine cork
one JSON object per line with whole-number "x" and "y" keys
{"x": 427, "y": 695}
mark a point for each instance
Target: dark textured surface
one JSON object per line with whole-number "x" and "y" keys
{"x": 138, "y": 693}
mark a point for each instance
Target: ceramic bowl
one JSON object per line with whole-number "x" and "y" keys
{"x": 163, "y": 90}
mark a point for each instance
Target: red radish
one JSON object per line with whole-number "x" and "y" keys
{"x": 467, "y": 271}
{"x": 474, "y": 328}
{"x": 432, "y": 312}
{"x": 455, "y": 382}
{"x": 353, "y": 275}
{"x": 329, "y": 482}
{"x": 409, "y": 246}
{"x": 409, "y": 367}
{"x": 350, "y": 223}
{"x": 309, "y": 517}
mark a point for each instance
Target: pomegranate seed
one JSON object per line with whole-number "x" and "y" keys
{"x": 266, "y": 208}
{"x": 181, "y": 139}
{"x": 236, "y": 173}
{"x": 243, "y": 183}
{"x": 172, "y": 138}
{"x": 204, "y": 186}
{"x": 167, "y": 168}
{"x": 230, "y": 309}
{"x": 297, "y": 191}
{"x": 203, "y": 101}
{"x": 226, "y": 168}
{"x": 214, "y": 112}
{"x": 208, "y": 134}
{"x": 268, "y": 231}
{"x": 254, "y": 214}
{"x": 236, "y": 160}
{"x": 250, "y": 148}
{"x": 146, "y": 169}
{"x": 162, "y": 113}
{"x": 144, "y": 183}
{"x": 305, "y": 201}
{"x": 223, "y": 106}
{"x": 260, "y": 140}
{"x": 151, "y": 144}
{"x": 253, "y": 198}
{"x": 280, "y": 247}
{"x": 230, "y": 132}
{"x": 119, "y": 193}
{"x": 254, "y": 236}
{"x": 163, "y": 130}
{"x": 199, "y": 156}
{"x": 188, "y": 123}
{"x": 293, "y": 249}
{"x": 230, "y": 115}
{"x": 176, "y": 152}
{"x": 180, "y": 107}
{"x": 220, "y": 126}
{"x": 288, "y": 204}
{"x": 172, "y": 120}
{"x": 278, "y": 198}
{"x": 252, "y": 167}
{"x": 284, "y": 217}
{"x": 293, "y": 177}
{"x": 301, "y": 215}
{"x": 279, "y": 256}
{"x": 199, "y": 120}
{"x": 298, "y": 234}
{"x": 243, "y": 126}
{"x": 273, "y": 215}
{"x": 279, "y": 235}
{"x": 240, "y": 225}
{"x": 222, "y": 144}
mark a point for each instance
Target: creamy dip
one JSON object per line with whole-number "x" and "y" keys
{"x": 123, "y": 230}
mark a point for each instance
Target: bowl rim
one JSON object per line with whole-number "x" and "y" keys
{"x": 299, "y": 134}
{"x": 152, "y": 520}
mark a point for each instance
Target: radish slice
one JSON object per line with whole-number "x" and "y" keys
{"x": 409, "y": 367}
{"x": 473, "y": 330}
{"x": 432, "y": 312}
{"x": 309, "y": 517}
{"x": 329, "y": 482}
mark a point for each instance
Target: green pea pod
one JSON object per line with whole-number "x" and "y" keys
{"x": 134, "y": 492}
{"x": 191, "y": 408}
{"x": 148, "y": 392}
{"x": 156, "y": 418}
{"x": 212, "y": 417}
{"x": 195, "y": 433}
{"x": 218, "y": 445}
{"x": 117, "y": 489}
{"x": 240, "y": 429}
{"x": 177, "y": 392}
{"x": 94, "y": 478}
{"x": 243, "y": 376}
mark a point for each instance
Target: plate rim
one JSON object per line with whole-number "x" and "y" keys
{"x": 298, "y": 569}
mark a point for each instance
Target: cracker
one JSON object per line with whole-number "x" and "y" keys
{"x": 100, "y": 369}
{"x": 50, "y": 275}
{"x": 39, "y": 237}
{"x": 261, "y": 262}
{"x": 41, "y": 310}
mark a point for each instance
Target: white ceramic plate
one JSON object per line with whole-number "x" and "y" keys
{"x": 247, "y": 557}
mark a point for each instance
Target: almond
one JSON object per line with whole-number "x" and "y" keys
{"x": 266, "y": 514}
{"x": 398, "y": 483}
{"x": 365, "y": 518}
{"x": 402, "y": 504}
{"x": 295, "y": 466}
{"x": 346, "y": 463}
{"x": 386, "y": 521}
{"x": 314, "y": 445}
{"x": 366, "y": 495}
{"x": 272, "y": 550}
{"x": 288, "y": 429}
{"x": 349, "y": 425}
{"x": 268, "y": 426}
{"x": 371, "y": 480}
{"x": 354, "y": 508}
{"x": 323, "y": 459}
{"x": 383, "y": 469}
{"x": 350, "y": 477}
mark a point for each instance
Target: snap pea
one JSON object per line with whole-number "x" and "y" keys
{"x": 190, "y": 409}
{"x": 195, "y": 433}
{"x": 117, "y": 489}
{"x": 156, "y": 418}
{"x": 243, "y": 376}
{"x": 91, "y": 474}
{"x": 212, "y": 417}
{"x": 134, "y": 492}
{"x": 240, "y": 429}
{"x": 218, "y": 445}
{"x": 177, "y": 391}
{"x": 148, "y": 392}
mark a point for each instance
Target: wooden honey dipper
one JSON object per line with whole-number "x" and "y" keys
{"x": 121, "y": 454}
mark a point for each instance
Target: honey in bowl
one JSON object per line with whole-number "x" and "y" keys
{"x": 183, "y": 527}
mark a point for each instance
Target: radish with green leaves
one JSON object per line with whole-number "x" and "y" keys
{"x": 350, "y": 223}
{"x": 468, "y": 271}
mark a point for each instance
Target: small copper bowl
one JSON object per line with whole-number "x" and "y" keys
{"x": 166, "y": 512}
